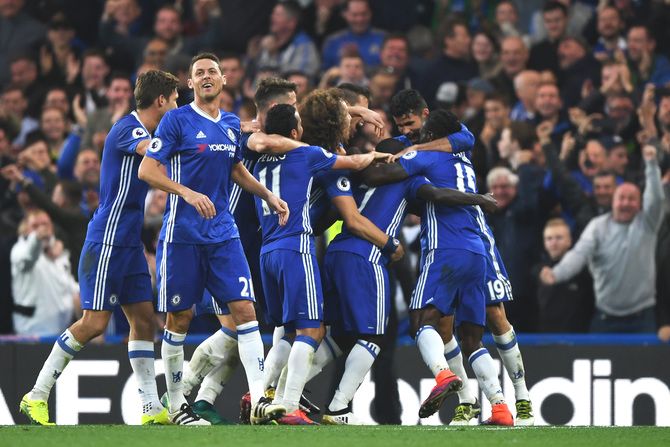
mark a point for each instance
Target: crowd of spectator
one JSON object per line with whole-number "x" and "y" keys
{"x": 569, "y": 102}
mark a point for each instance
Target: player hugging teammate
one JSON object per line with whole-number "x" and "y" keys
{"x": 303, "y": 178}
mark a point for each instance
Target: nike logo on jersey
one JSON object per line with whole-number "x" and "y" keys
{"x": 201, "y": 134}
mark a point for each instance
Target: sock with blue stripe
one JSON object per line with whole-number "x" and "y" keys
{"x": 141, "y": 357}
{"x": 299, "y": 363}
{"x": 432, "y": 349}
{"x": 217, "y": 378}
{"x": 172, "y": 351}
{"x": 276, "y": 359}
{"x": 208, "y": 355}
{"x": 252, "y": 356}
{"x": 452, "y": 352}
{"x": 358, "y": 364}
{"x": 487, "y": 376}
{"x": 508, "y": 348}
{"x": 64, "y": 350}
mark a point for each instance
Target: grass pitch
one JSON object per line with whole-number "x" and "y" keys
{"x": 380, "y": 436}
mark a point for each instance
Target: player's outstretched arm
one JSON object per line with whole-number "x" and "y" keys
{"x": 150, "y": 171}
{"x": 453, "y": 197}
{"x": 382, "y": 174}
{"x": 358, "y": 162}
{"x": 247, "y": 182}
{"x": 362, "y": 227}
{"x": 272, "y": 144}
{"x": 457, "y": 142}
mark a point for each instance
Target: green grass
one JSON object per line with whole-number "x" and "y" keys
{"x": 387, "y": 436}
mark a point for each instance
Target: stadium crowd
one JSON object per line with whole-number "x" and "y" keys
{"x": 562, "y": 97}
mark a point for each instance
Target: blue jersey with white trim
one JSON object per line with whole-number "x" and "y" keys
{"x": 290, "y": 177}
{"x": 242, "y": 204}
{"x": 447, "y": 226}
{"x": 327, "y": 185}
{"x": 199, "y": 152}
{"x": 118, "y": 219}
{"x": 386, "y": 207}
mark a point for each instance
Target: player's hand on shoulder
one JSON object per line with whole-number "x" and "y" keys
{"x": 400, "y": 154}
{"x": 201, "y": 203}
{"x": 398, "y": 254}
{"x": 489, "y": 204}
{"x": 382, "y": 157}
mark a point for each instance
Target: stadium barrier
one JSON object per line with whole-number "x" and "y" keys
{"x": 573, "y": 380}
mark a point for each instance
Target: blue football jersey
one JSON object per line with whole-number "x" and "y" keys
{"x": 327, "y": 185}
{"x": 199, "y": 152}
{"x": 447, "y": 226}
{"x": 242, "y": 204}
{"x": 386, "y": 207}
{"x": 118, "y": 219}
{"x": 290, "y": 177}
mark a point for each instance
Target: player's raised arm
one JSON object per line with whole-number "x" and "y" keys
{"x": 247, "y": 182}
{"x": 151, "y": 172}
{"x": 272, "y": 144}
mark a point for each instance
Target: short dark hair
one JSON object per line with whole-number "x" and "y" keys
{"x": 72, "y": 191}
{"x": 497, "y": 97}
{"x": 345, "y": 95}
{"x": 407, "y": 102}
{"x": 359, "y": 90}
{"x": 440, "y": 123}
{"x": 22, "y": 57}
{"x": 449, "y": 25}
{"x": 523, "y": 133}
{"x": 270, "y": 89}
{"x": 605, "y": 173}
{"x": 35, "y": 137}
{"x": 120, "y": 75}
{"x": 199, "y": 57}
{"x": 554, "y": 5}
{"x": 153, "y": 84}
{"x": 390, "y": 146}
{"x": 395, "y": 36}
{"x": 281, "y": 120}
{"x": 663, "y": 92}
{"x": 94, "y": 52}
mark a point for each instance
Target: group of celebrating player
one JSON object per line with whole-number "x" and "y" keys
{"x": 259, "y": 194}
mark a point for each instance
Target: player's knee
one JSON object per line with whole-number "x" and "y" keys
{"x": 497, "y": 320}
{"x": 143, "y": 327}
{"x": 179, "y": 321}
{"x": 317, "y": 333}
{"x": 242, "y": 311}
{"x": 91, "y": 325}
{"x": 429, "y": 316}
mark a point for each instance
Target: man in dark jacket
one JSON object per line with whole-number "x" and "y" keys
{"x": 565, "y": 307}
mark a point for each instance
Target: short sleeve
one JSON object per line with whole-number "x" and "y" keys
{"x": 416, "y": 163}
{"x": 319, "y": 159}
{"x": 414, "y": 183}
{"x": 166, "y": 140}
{"x": 130, "y": 136}
{"x": 335, "y": 183}
{"x": 462, "y": 140}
